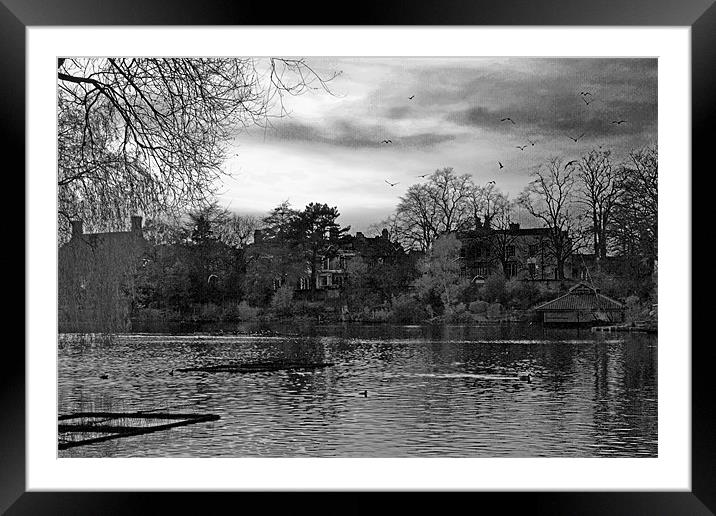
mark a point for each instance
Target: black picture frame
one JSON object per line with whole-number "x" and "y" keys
{"x": 700, "y": 15}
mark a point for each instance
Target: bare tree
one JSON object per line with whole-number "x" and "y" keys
{"x": 599, "y": 191}
{"x": 450, "y": 193}
{"x": 149, "y": 135}
{"x": 484, "y": 203}
{"x": 238, "y": 230}
{"x": 551, "y": 198}
{"x": 417, "y": 219}
{"x": 503, "y": 241}
{"x": 440, "y": 205}
{"x": 636, "y": 213}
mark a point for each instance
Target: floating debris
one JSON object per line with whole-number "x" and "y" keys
{"x": 83, "y": 428}
{"x": 256, "y": 367}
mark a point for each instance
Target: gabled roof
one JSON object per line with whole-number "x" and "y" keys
{"x": 581, "y": 297}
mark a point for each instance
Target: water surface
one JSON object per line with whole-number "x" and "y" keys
{"x": 432, "y": 391}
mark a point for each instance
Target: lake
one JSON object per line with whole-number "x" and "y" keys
{"x": 450, "y": 391}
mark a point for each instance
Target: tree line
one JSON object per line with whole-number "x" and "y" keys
{"x": 588, "y": 204}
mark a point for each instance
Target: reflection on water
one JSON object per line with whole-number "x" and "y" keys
{"x": 448, "y": 391}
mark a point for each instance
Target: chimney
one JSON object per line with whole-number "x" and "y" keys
{"x": 136, "y": 223}
{"x": 385, "y": 235}
{"x": 76, "y": 228}
{"x": 514, "y": 226}
{"x": 258, "y": 236}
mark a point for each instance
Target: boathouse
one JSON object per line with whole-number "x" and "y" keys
{"x": 582, "y": 304}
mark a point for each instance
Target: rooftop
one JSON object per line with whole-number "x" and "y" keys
{"x": 581, "y": 297}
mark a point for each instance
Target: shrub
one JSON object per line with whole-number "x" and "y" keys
{"x": 494, "y": 289}
{"x": 478, "y": 307}
{"x": 209, "y": 312}
{"x": 282, "y": 300}
{"x": 458, "y": 314}
{"x": 407, "y": 309}
{"x": 495, "y": 309}
{"x": 244, "y": 312}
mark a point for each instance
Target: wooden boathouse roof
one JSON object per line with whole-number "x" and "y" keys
{"x": 581, "y": 297}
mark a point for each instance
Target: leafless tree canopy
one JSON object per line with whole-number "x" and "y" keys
{"x": 551, "y": 197}
{"x": 599, "y": 191}
{"x": 149, "y": 135}
{"x": 636, "y": 212}
{"x": 446, "y": 202}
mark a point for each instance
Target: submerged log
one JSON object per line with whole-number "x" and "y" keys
{"x": 257, "y": 367}
{"x": 95, "y": 427}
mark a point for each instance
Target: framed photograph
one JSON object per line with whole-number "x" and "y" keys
{"x": 423, "y": 252}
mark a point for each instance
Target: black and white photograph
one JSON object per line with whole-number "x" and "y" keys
{"x": 357, "y": 257}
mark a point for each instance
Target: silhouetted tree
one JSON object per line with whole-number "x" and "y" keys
{"x": 149, "y": 135}
{"x": 551, "y": 198}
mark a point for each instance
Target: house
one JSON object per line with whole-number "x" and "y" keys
{"x": 332, "y": 265}
{"x": 582, "y": 304}
{"x": 96, "y": 278}
{"x": 522, "y": 253}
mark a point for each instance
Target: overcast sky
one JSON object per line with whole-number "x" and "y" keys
{"x": 329, "y": 149}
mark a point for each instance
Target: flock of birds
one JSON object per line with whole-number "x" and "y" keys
{"x": 586, "y": 97}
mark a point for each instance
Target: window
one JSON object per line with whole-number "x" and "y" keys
{"x": 532, "y": 269}
{"x": 325, "y": 281}
{"x": 478, "y": 251}
{"x": 510, "y": 251}
{"x": 511, "y": 269}
{"x": 533, "y": 250}
{"x": 303, "y": 284}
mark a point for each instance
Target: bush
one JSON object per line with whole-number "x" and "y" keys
{"x": 407, "y": 309}
{"x": 522, "y": 294}
{"x": 494, "y": 289}
{"x": 478, "y": 307}
{"x": 209, "y": 312}
{"x": 244, "y": 312}
{"x": 458, "y": 314}
{"x": 495, "y": 310}
{"x": 282, "y": 300}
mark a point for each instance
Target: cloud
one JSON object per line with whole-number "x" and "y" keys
{"x": 346, "y": 133}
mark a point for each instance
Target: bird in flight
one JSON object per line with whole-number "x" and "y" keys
{"x": 618, "y": 122}
{"x": 521, "y": 147}
{"x": 490, "y": 182}
{"x": 506, "y": 119}
{"x": 575, "y": 139}
{"x": 387, "y": 141}
{"x": 364, "y": 393}
{"x": 585, "y": 93}
{"x": 501, "y": 165}
{"x": 411, "y": 97}
{"x": 531, "y": 142}
{"x": 587, "y": 102}
{"x": 424, "y": 175}
{"x": 391, "y": 184}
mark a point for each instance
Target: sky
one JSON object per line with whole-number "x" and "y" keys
{"x": 329, "y": 148}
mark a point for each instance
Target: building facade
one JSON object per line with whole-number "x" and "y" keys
{"x": 96, "y": 278}
{"x": 522, "y": 253}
